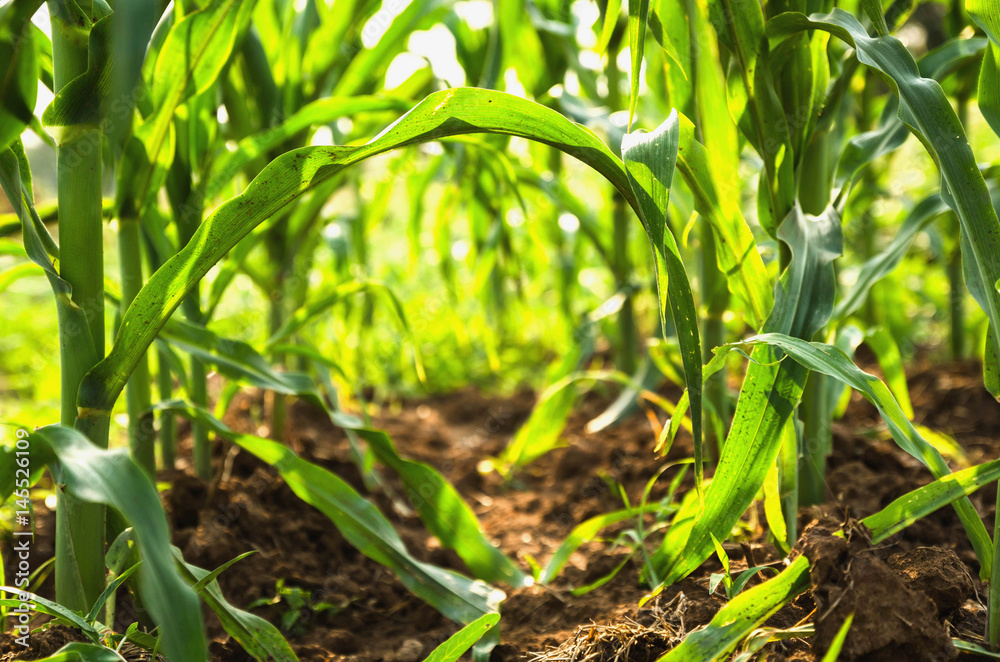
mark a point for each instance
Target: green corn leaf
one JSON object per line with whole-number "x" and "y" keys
{"x": 442, "y": 510}
{"x": 450, "y": 112}
{"x": 773, "y": 512}
{"x": 989, "y": 87}
{"x": 54, "y": 609}
{"x": 458, "y": 643}
{"x": 866, "y": 147}
{"x": 39, "y": 456}
{"x": 112, "y": 478}
{"x": 742, "y": 615}
{"x": 233, "y": 358}
{"x": 320, "y": 303}
{"x": 585, "y": 532}
{"x": 243, "y": 363}
{"x": 638, "y": 14}
{"x": 541, "y": 432}
{"x": 79, "y": 652}
{"x": 771, "y": 390}
{"x": 717, "y": 199}
{"x": 951, "y": 56}
{"x": 833, "y": 652}
{"x": 991, "y": 365}
{"x": 445, "y": 514}
{"x": 259, "y": 638}
{"x": 882, "y": 264}
{"x": 950, "y": 449}
{"x": 969, "y": 647}
{"x": 755, "y": 106}
{"x": 195, "y": 51}
{"x": 109, "y": 591}
{"x": 986, "y": 14}
{"x": 457, "y": 597}
{"x": 831, "y": 361}
{"x": 873, "y": 8}
{"x": 192, "y": 56}
{"x": 84, "y": 100}
{"x": 610, "y": 23}
{"x": 204, "y": 581}
{"x": 886, "y": 351}
{"x": 649, "y": 160}
{"x": 10, "y": 276}
{"x": 19, "y": 73}
{"x": 924, "y": 108}
{"x": 15, "y": 178}
{"x": 319, "y": 112}
{"x": 921, "y": 502}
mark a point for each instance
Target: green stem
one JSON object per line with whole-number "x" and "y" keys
{"x": 198, "y": 384}
{"x": 629, "y": 354}
{"x": 817, "y": 440}
{"x": 629, "y": 350}
{"x": 993, "y": 620}
{"x": 713, "y": 334}
{"x": 168, "y": 426}
{"x": 142, "y": 434}
{"x": 164, "y": 377}
{"x": 79, "y": 526}
{"x": 199, "y": 433}
{"x": 814, "y": 194}
{"x": 277, "y": 319}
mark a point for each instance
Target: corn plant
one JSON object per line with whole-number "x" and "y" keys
{"x": 137, "y": 95}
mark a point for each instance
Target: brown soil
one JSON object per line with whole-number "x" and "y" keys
{"x": 909, "y": 595}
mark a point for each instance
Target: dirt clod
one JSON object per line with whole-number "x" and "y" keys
{"x": 41, "y": 644}
{"x": 937, "y": 573}
{"x": 891, "y": 621}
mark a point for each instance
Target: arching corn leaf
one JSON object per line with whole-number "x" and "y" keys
{"x": 771, "y": 390}
{"x": 736, "y": 250}
{"x": 445, "y": 514}
{"x": 113, "y": 479}
{"x": 80, "y": 652}
{"x": 319, "y": 112}
{"x": 883, "y": 263}
{"x": 924, "y": 108}
{"x": 258, "y": 637}
{"x": 921, "y": 502}
{"x": 450, "y": 112}
{"x": 742, "y": 615}
{"x": 649, "y": 160}
{"x": 831, "y": 361}
{"x": 457, "y": 597}
{"x": 461, "y": 641}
